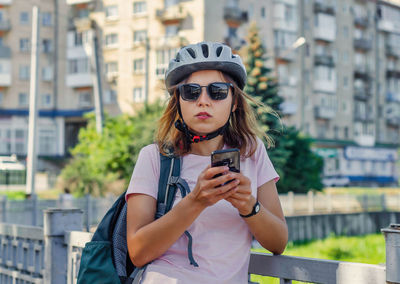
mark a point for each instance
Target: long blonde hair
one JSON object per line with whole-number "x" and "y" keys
{"x": 241, "y": 133}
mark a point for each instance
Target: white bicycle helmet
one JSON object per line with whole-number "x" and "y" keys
{"x": 205, "y": 56}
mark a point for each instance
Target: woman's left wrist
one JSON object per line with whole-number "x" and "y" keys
{"x": 249, "y": 207}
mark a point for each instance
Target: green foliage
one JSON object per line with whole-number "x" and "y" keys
{"x": 101, "y": 162}
{"x": 299, "y": 168}
{"x": 365, "y": 249}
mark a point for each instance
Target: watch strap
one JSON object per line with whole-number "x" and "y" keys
{"x": 256, "y": 209}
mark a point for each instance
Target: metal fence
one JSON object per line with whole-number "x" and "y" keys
{"x": 52, "y": 255}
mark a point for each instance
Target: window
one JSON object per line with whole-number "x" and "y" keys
{"x": 169, "y": 3}
{"x": 47, "y": 142}
{"x": 111, "y": 39}
{"x": 262, "y": 12}
{"x": 139, "y": 7}
{"x": 85, "y": 99}
{"x": 45, "y": 100}
{"x": 22, "y": 99}
{"x": 138, "y": 65}
{"x": 346, "y": 81}
{"x": 138, "y": 95}
{"x": 24, "y": 18}
{"x": 47, "y": 73}
{"x": 1, "y": 98}
{"x": 24, "y": 72}
{"x": 46, "y": 19}
{"x": 336, "y": 132}
{"x": 24, "y": 44}
{"x": 111, "y": 12}
{"x": 139, "y": 36}
{"x": 111, "y": 67}
{"x": 110, "y": 96}
{"x": 171, "y": 30}
{"x": 80, "y": 65}
{"x": 20, "y": 141}
{"x": 46, "y": 45}
{"x": 163, "y": 58}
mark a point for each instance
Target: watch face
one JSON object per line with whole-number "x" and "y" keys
{"x": 257, "y": 208}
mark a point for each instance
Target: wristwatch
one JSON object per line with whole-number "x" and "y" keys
{"x": 256, "y": 209}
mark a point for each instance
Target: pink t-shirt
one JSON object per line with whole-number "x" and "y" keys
{"x": 221, "y": 239}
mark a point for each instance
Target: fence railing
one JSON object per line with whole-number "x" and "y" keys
{"x": 29, "y": 212}
{"x": 52, "y": 255}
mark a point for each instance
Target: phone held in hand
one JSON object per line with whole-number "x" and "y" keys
{"x": 227, "y": 157}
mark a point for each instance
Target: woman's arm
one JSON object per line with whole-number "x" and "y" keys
{"x": 268, "y": 226}
{"x": 148, "y": 239}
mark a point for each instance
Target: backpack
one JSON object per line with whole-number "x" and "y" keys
{"x": 105, "y": 259}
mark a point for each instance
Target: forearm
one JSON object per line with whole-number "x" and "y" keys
{"x": 269, "y": 230}
{"x": 152, "y": 240}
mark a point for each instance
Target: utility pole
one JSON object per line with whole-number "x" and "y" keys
{"x": 97, "y": 90}
{"x": 32, "y": 158}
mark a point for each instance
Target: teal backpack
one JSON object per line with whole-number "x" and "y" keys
{"x": 105, "y": 259}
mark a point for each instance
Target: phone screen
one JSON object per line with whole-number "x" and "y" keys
{"x": 227, "y": 157}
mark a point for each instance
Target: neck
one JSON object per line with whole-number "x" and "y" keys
{"x": 205, "y": 148}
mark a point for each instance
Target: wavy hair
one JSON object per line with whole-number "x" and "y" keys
{"x": 241, "y": 133}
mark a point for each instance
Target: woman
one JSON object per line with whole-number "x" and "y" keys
{"x": 210, "y": 112}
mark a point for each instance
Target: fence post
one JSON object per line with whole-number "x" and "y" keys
{"x": 392, "y": 241}
{"x": 291, "y": 202}
{"x": 56, "y": 222}
{"x": 310, "y": 196}
{"x": 4, "y": 209}
{"x": 383, "y": 202}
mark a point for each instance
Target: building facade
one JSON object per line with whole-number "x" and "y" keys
{"x": 341, "y": 85}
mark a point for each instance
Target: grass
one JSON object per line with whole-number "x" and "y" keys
{"x": 20, "y": 194}
{"x": 364, "y": 249}
{"x": 362, "y": 190}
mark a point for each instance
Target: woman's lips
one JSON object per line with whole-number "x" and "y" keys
{"x": 203, "y": 115}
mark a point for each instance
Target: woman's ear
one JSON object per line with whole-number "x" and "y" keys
{"x": 234, "y": 107}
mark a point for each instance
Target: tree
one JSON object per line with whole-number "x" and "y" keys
{"x": 299, "y": 168}
{"x": 101, "y": 162}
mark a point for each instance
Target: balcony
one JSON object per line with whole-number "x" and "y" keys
{"x": 76, "y": 2}
{"x": 78, "y": 80}
{"x": 321, "y": 7}
{"x": 5, "y": 25}
{"x": 361, "y": 21}
{"x": 362, "y": 43}
{"x": 234, "y": 16}
{"x": 363, "y": 117}
{"x": 171, "y": 14}
{"x": 393, "y": 121}
{"x": 324, "y": 59}
{"x": 324, "y": 113}
{"x": 175, "y": 41}
{"x": 392, "y": 97}
{"x": 5, "y": 52}
{"x": 325, "y": 33}
{"x": 82, "y": 24}
{"x": 328, "y": 86}
{"x": 362, "y": 71}
{"x": 392, "y": 50}
{"x": 284, "y": 53}
{"x": 393, "y": 74}
{"x": 362, "y": 93}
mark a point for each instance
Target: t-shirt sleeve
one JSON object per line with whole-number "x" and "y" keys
{"x": 146, "y": 173}
{"x": 265, "y": 169}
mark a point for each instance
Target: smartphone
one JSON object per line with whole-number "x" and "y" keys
{"x": 227, "y": 157}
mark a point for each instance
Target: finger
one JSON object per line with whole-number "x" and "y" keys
{"x": 210, "y": 172}
{"x": 226, "y": 195}
{"x": 224, "y": 188}
{"x": 222, "y": 180}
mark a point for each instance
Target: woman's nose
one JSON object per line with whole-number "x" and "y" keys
{"x": 204, "y": 99}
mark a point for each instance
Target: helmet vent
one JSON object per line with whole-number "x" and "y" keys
{"x": 219, "y": 50}
{"x": 178, "y": 58}
{"x": 191, "y": 52}
{"x": 204, "y": 47}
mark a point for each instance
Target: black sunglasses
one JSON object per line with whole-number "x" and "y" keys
{"x": 216, "y": 91}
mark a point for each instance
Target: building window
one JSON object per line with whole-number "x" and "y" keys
{"x": 346, "y": 82}
{"x": 139, "y": 7}
{"x": 46, "y": 19}
{"x": 336, "y": 132}
{"x": 46, "y": 100}
{"x": 139, "y": 36}
{"x": 80, "y": 65}
{"x": 24, "y": 18}
{"x": 47, "y": 73}
{"x": 110, "y": 96}
{"x": 20, "y": 141}
{"x": 24, "y": 72}
{"x": 138, "y": 95}
{"x": 22, "y": 99}
{"x": 169, "y": 3}
{"x": 47, "y": 142}
{"x": 111, "y": 12}
{"x": 1, "y": 98}
{"x": 111, "y": 67}
{"x": 85, "y": 99}
{"x": 171, "y": 30}
{"x": 262, "y": 12}
{"x": 163, "y": 58}
{"x": 24, "y": 44}
{"x": 46, "y": 45}
{"x": 111, "y": 40}
{"x": 138, "y": 65}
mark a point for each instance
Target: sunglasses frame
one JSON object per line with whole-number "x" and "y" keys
{"x": 180, "y": 88}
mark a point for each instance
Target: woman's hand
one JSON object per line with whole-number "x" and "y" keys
{"x": 208, "y": 189}
{"x": 242, "y": 199}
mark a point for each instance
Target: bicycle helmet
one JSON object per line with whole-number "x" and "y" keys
{"x": 205, "y": 56}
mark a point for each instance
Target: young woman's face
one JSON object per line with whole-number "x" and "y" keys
{"x": 206, "y": 115}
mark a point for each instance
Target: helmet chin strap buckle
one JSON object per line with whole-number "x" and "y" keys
{"x": 197, "y": 138}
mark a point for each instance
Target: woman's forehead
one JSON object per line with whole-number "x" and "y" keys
{"x": 206, "y": 76}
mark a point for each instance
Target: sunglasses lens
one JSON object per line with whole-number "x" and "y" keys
{"x": 218, "y": 91}
{"x": 190, "y": 92}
